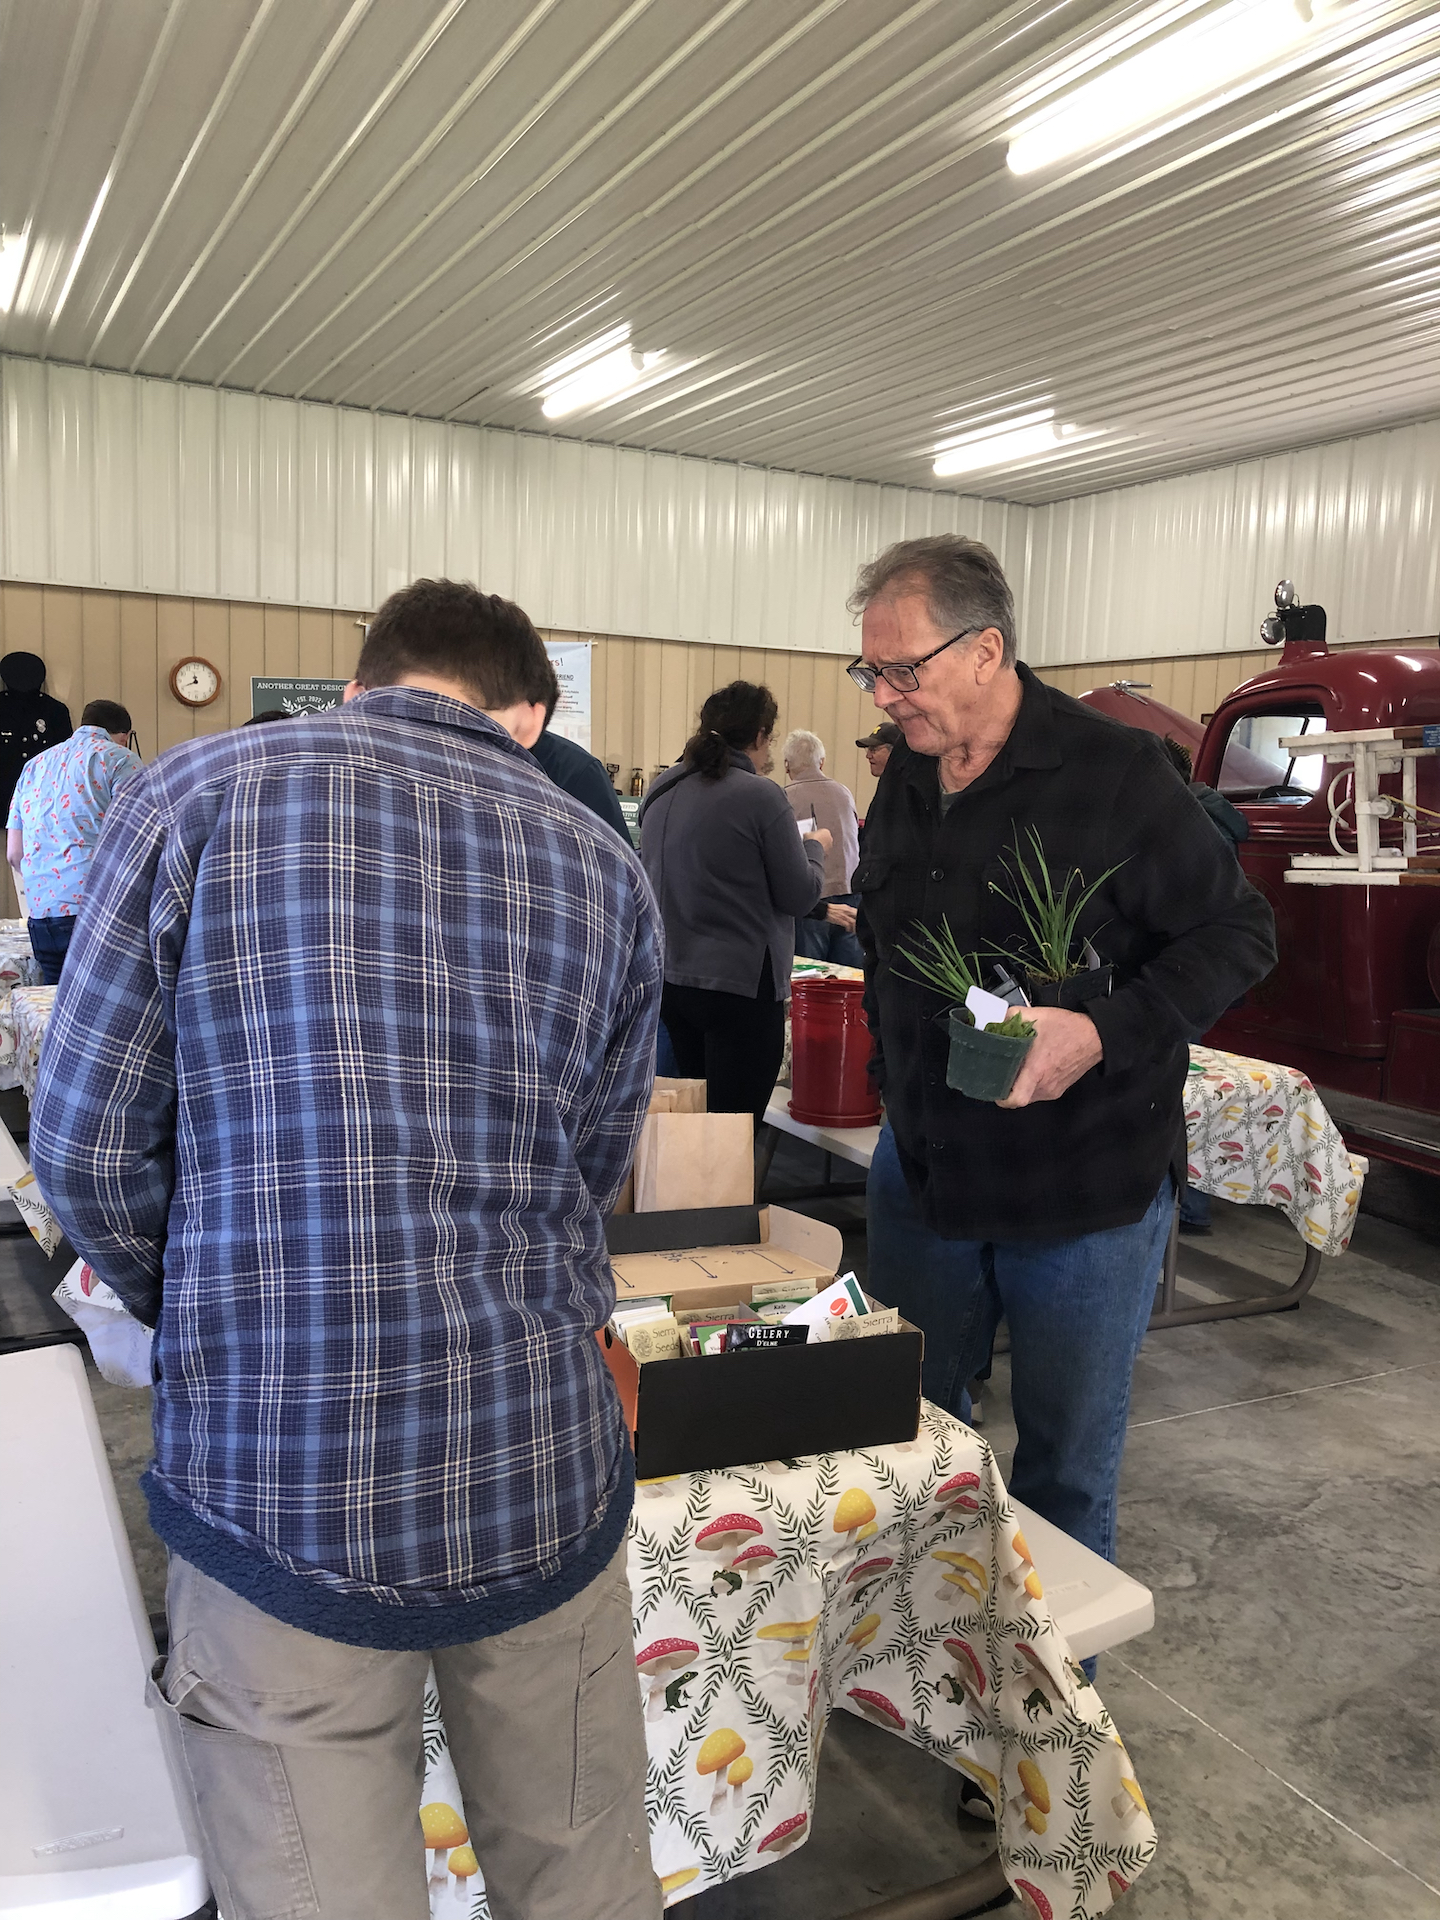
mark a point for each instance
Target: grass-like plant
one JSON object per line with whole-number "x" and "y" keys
{"x": 1050, "y": 917}
{"x": 939, "y": 963}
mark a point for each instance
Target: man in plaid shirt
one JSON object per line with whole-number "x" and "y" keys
{"x": 349, "y": 1060}
{"x": 1052, "y": 1207}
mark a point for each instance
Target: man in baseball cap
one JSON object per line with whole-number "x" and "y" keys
{"x": 877, "y": 746}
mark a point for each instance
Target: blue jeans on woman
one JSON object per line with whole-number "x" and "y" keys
{"x": 1077, "y": 1311}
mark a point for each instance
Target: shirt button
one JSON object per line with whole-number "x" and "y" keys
{"x": 937, "y": 873}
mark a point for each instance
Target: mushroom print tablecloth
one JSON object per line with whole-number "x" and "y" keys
{"x": 1258, "y": 1134}
{"x": 18, "y": 968}
{"x": 893, "y": 1583}
{"x": 30, "y": 1010}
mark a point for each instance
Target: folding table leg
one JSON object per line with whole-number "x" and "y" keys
{"x": 945, "y": 1899}
{"x": 1167, "y": 1314}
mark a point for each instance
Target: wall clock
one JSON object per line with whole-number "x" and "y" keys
{"x": 194, "y": 682}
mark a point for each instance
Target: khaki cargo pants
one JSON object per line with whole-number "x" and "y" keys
{"x": 307, "y": 1765}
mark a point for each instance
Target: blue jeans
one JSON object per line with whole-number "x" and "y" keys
{"x": 50, "y": 942}
{"x": 1077, "y": 1311}
{"x": 820, "y": 940}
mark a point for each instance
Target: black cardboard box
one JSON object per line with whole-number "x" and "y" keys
{"x": 730, "y": 1410}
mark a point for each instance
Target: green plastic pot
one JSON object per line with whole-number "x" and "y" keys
{"x": 982, "y": 1065}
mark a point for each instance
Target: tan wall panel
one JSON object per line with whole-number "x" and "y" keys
{"x": 247, "y": 657}
{"x": 210, "y": 638}
{"x": 646, "y": 693}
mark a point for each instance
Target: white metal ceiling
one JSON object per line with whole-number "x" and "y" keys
{"x": 415, "y": 205}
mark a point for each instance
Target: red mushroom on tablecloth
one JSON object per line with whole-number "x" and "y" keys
{"x": 865, "y": 1570}
{"x": 753, "y": 1560}
{"x": 785, "y": 1835}
{"x": 730, "y": 1531}
{"x": 875, "y": 1708}
{"x": 1032, "y": 1669}
{"x": 1033, "y": 1903}
{"x": 969, "y": 1674}
{"x": 656, "y": 1662}
{"x": 1117, "y": 1884}
{"x": 727, "y": 1536}
{"x": 960, "y": 1490}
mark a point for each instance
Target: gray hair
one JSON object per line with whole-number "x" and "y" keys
{"x": 802, "y": 749}
{"x": 963, "y": 583}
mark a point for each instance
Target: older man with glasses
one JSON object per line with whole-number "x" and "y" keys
{"x": 1051, "y": 1207}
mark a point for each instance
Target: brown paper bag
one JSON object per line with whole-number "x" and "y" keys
{"x": 695, "y": 1160}
{"x": 689, "y": 1095}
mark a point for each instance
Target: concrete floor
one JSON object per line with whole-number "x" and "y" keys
{"x": 1281, "y": 1496}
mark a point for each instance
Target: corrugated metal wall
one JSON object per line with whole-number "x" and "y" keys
{"x": 1189, "y": 566}
{"x": 114, "y": 482}
{"x": 144, "y": 485}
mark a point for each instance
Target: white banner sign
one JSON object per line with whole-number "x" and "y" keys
{"x": 571, "y": 661}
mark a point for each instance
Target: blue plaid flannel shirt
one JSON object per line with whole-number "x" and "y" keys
{"x": 349, "y": 1059}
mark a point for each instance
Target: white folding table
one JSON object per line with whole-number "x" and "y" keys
{"x": 92, "y": 1826}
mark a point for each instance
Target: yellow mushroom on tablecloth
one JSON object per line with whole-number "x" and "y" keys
{"x": 718, "y": 1752}
{"x": 1035, "y": 1790}
{"x": 854, "y": 1510}
{"x": 967, "y": 1574}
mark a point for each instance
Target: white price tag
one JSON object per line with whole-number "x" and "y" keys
{"x": 988, "y": 1008}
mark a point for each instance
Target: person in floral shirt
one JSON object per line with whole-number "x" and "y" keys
{"x": 59, "y": 803}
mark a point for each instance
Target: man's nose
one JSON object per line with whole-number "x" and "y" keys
{"x": 884, "y": 695}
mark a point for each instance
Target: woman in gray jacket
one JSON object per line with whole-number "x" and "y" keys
{"x": 731, "y": 874}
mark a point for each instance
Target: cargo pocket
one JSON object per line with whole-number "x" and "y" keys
{"x": 609, "y": 1730}
{"x": 254, "y": 1851}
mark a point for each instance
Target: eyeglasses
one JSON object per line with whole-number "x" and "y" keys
{"x": 904, "y": 679}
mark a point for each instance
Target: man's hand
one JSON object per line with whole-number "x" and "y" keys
{"x": 1065, "y": 1046}
{"x": 823, "y": 835}
{"x": 839, "y": 916}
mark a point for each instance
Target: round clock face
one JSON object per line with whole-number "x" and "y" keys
{"x": 195, "y": 682}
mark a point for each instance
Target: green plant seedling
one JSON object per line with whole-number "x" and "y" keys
{"x": 1050, "y": 917}
{"x": 941, "y": 965}
{"x": 1013, "y": 1027}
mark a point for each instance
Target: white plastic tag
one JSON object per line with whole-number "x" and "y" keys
{"x": 988, "y": 1008}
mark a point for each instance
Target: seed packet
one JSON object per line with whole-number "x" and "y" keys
{"x": 762, "y": 1337}
{"x": 655, "y": 1339}
{"x": 710, "y": 1336}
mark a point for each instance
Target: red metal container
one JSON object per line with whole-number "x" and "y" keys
{"x": 829, "y": 1052}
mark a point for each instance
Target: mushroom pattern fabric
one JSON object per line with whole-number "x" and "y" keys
{"x": 1259, "y": 1134}
{"x": 30, "y": 1011}
{"x": 18, "y": 968}
{"x": 896, "y": 1585}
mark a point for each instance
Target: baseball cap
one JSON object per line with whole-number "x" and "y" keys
{"x": 887, "y": 734}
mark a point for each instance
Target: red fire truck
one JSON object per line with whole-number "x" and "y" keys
{"x": 1354, "y": 1000}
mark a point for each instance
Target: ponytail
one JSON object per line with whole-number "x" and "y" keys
{"x": 731, "y": 720}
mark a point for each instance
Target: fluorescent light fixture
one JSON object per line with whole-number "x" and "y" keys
{"x": 593, "y": 375}
{"x": 1209, "y": 56}
{"x": 12, "y": 259}
{"x": 1020, "y": 439}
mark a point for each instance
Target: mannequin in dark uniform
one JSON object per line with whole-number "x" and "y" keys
{"x": 30, "y": 721}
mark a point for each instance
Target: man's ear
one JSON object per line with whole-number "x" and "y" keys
{"x": 353, "y": 690}
{"x": 987, "y": 652}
